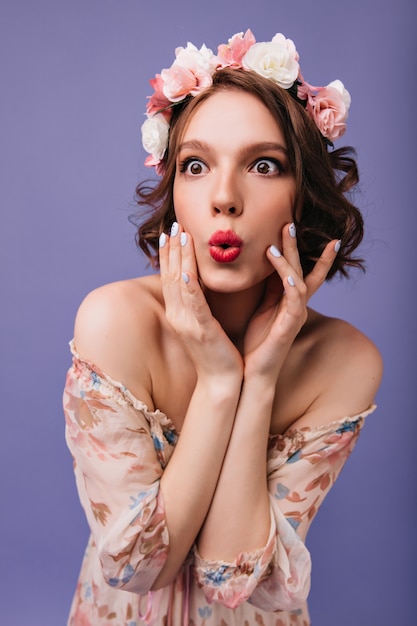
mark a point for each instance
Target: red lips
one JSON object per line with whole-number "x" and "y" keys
{"x": 225, "y": 246}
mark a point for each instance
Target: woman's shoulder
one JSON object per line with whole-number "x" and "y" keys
{"x": 127, "y": 291}
{"x": 342, "y": 339}
{"x": 108, "y": 307}
{"x": 347, "y": 368}
{"x": 116, "y": 324}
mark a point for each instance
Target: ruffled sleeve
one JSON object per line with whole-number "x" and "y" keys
{"x": 283, "y": 559}
{"x": 119, "y": 449}
{"x": 302, "y": 467}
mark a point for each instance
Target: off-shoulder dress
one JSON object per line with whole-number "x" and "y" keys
{"x": 120, "y": 449}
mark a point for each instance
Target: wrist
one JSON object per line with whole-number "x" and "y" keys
{"x": 220, "y": 385}
{"x": 266, "y": 372}
{"x": 261, "y": 387}
{"x": 262, "y": 380}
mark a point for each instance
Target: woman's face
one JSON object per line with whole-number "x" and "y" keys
{"x": 233, "y": 189}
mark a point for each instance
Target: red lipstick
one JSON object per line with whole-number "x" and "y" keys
{"x": 225, "y": 246}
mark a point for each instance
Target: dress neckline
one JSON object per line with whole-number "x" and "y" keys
{"x": 289, "y": 434}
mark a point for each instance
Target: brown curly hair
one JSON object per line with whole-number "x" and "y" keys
{"x": 323, "y": 176}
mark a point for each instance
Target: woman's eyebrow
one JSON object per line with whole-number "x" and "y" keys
{"x": 262, "y": 146}
{"x": 194, "y": 144}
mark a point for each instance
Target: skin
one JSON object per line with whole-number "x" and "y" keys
{"x": 233, "y": 352}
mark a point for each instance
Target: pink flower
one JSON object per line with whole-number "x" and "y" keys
{"x": 190, "y": 73}
{"x": 151, "y": 161}
{"x": 232, "y": 53}
{"x": 158, "y": 100}
{"x": 159, "y": 166}
{"x": 329, "y": 108}
{"x": 179, "y": 82}
{"x": 305, "y": 91}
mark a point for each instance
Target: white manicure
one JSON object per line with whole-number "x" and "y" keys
{"x": 275, "y": 252}
{"x": 162, "y": 240}
{"x": 292, "y": 230}
{"x": 183, "y": 239}
{"x": 291, "y": 281}
{"x": 174, "y": 229}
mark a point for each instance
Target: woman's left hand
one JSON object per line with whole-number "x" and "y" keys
{"x": 283, "y": 310}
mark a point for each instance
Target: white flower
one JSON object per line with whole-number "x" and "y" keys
{"x": 192, "y": 58}
{"x": 337, "y": 84}
{"x": 276, "y": 60}
{"x": 155, "y": 135}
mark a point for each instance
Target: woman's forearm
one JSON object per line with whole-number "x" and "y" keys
{"x": 190, "y": 478}
{"x": 239, "y": 515}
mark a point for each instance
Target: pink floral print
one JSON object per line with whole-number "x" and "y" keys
{"x": 120, "y": 449}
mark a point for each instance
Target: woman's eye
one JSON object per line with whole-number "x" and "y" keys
{"x": 267, "y": 166}
{"x": 193, "y": 167}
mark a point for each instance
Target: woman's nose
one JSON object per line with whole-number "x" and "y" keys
{"x": 226, "y": 197}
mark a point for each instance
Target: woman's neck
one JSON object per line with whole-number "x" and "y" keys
{"x": 234, "y": 310}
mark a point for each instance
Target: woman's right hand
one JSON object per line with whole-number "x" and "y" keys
{"x": 188, "y": 312}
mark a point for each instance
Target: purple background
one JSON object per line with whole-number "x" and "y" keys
{"x": 73, "y": 86}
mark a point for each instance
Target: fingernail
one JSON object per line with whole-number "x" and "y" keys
{"x": 185, "y": 278}
{"x": 183, "y": 239}
{"x": 162, "y": 240}
{"x": 291, "y": 281}
{"x": 275, "y": 252}
{"x": 337, "y": 246}
{"x": 174, "y": 229}
{"x": 292, "y": 230}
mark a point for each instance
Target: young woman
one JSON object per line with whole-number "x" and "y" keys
{"x": 209, "y": 410}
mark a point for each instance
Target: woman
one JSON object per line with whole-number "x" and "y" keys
{"x": 202, "y": 469}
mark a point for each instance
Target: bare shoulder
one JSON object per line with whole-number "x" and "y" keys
{"x": 349, "y": 369}
{"x": 348, "y": 344}
{"x": 115, "y": 327}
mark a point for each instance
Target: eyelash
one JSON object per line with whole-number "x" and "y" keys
{"x": 183, "y": 165}
{"x": 186, "y": 162}
{"x": 277, "y": 164}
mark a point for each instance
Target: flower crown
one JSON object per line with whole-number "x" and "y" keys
{"x": 277, "y": 60}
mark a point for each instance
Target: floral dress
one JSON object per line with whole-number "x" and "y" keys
{"x": 120, "y": 449}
